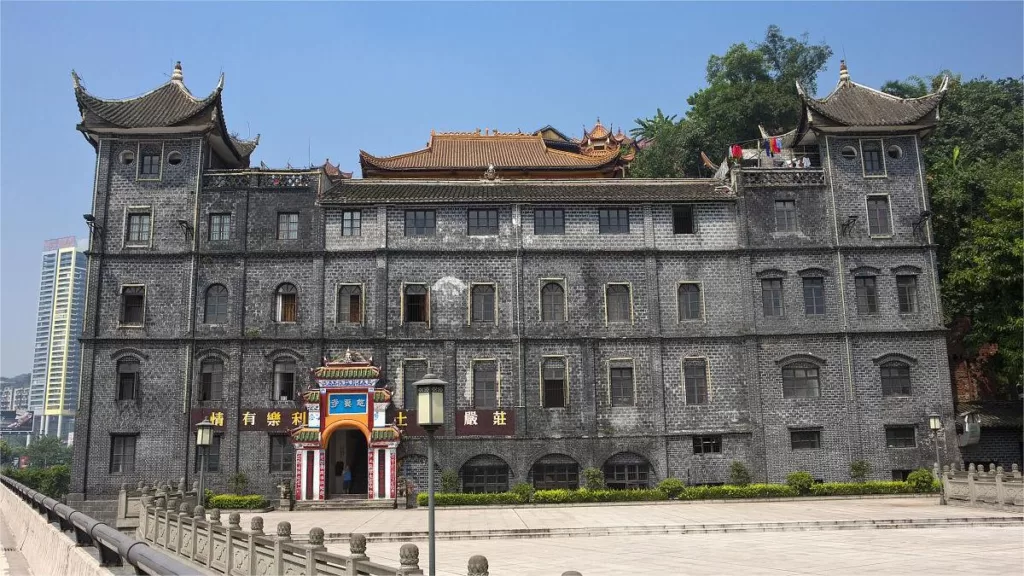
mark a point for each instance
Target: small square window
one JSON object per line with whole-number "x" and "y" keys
{"x": 900, "y": 437}
{"x": 805, "y": 439}
{"x": 288, "y": 226}
{"x": 707, "y": 444}
{"x": 220, "y": 227}
{"x": 683, "y": 220}
{"x": 548, "y": 221}
{"x": 785, "y": 216}
{"x": 352, "y": 223}
{"x": 420, "y": 223}
{"x": 613, "y": 221}
{"x": 149, "y": 167}
{"x": 482, "y": 222}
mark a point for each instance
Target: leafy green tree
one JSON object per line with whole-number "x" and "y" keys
{"x": 747, "y": 86}
{"x": 47, "y": 451}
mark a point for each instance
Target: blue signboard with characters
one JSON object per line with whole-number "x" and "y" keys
{"x": 347, "y": 403}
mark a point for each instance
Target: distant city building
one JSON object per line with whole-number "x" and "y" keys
{"x": 53, "y": 392}
{"x": 14, "y": 398}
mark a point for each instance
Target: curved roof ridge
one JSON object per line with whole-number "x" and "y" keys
{"x": 181, "y": 86}
{"x": 365, "y": 154}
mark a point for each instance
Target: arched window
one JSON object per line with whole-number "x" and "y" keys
{"x": 895, "y": 379}
{"x": 216, "y": 311}
{"x": 552, "y": 302}
{"x": 287, "y": 303}
{"x": 556, "y": 389}
{"x": 689, "y": 302}
{"x": 127, "y": 379}
{"x": 482, "y": 303}
{"x": 485, "y": 474}
{"x": 618, "y": 303}
{"x": 627, "y": 470}
{"x": 350, "y": 304}
{"x": 800, "y": 380}
{"x": 556, "y": 471}
{"x": 211, "y": 380}
{"x": 416, "y": 303}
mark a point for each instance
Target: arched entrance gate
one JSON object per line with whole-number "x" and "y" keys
{"x": 346, "y": 449}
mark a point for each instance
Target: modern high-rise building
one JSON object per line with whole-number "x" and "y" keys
{"x": 53, "y": 394}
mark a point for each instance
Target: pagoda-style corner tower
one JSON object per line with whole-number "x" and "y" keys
{"x": 346, "y": 449}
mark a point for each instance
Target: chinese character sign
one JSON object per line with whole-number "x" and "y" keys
{"x": 345, "y": 403}
{"x": 500, "y": 422}
{"x": 256, "y": 419}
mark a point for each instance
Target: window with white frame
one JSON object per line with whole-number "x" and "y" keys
{"x": 284, "y": 380}
{"x": 879, "y": 217}
{"x": 288, "y": 226}
{"x": 220, "y": 227}
{"x": 139, "y": 222}
{"x": 785, "y": 216}
{"x": 690, "y": 306}
{"x": 871, "y": 153}
{"x": 286, "y": 303}
{"x": 482, "y": 303}
{"x": 351, "y": 223}
{"x": 552, "y": 302}
{"x": 350, "y": 304}
{"x": 619, "y": 303}
{"x": 211, "y": 380}
{"x": 620, "y": 381}
{"x": 416, "y": 303}
{"x": 555, "y": 388}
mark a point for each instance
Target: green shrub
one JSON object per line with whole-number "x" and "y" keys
{"x": 859, "y": 488}
{"x": 859, "y": 470}
{"x": 525, "y": 491}
{"x": 672, "y": 487}
{"x": 738, "y": 474}
{"x": 450, "y": 482}
{"x": 801, "y": 481}
{"x": 459, "y": 499}
{"x": 226, "y": 501}
{"x": 728, "y": 492}
{"x": 54, "y": 481}
{"x": 922, "y": 481}
{"x": 593, "y": 479}
{"x": 238, "y": 483}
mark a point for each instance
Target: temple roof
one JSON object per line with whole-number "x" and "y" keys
{"x": 170, "y": 107}
{"x": 853, "y": 104}
{"x": 996, "y": 413}
{"x": 352, "y": 366}
{"x": 334, "y": 172}
{"x": 601, "y": 190}
{"x": 306, "y": 435}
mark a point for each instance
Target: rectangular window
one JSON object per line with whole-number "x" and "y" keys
{"x": 288, "y": 226}
{"x": 133, "y": 305}
{"x": 415, "y": 302}
{"x": 212, "y": 455}
{"x": 621, "y": 382}
{"x": 695, "y": 376}
{"x": 211, "y": 381}
{"x": 220, "y": 227}
{"x": 282, "y": 454}
{"x": 485, "y": 384}
{"x": 626, "y": 476}
{"x": 485, "y": 479}
{"x": 420, "y": 222}
{"x": 556, "y": 476}
{"x": 785, "y": 216}
{"x": 801, "y": 380}
{"x": 771, "y": 296}
{"x": 895, "y": 379}
{"x": 412, "y": 371}
{"x": 613, "y": 221}
{"x": 482, "y": 303}
{"x": 138, "y": 228}
{"x": 553, "y": 375}
{"x": 906, "y": 291}
{"x": 618, "y": 303}
{"x": 901, "y": 475}
{"x": 707, "y": 444}
{"x": 879, "y": 222}
{"x": 352, "y": 223}
{"x": 690, "y": 307}
{"x": 482, "y": 222}
{"x": 814, "y": 296}
{"x": 804, "y": 439}
{"x": 871, "y": 150}
{"x": 350, "y": 304}
{"x": 122, "y": 454}
{"x": 284, "y": 380}
{"x": 127, "y": 379}
{"x": 149, "y": 165}
{"x": 900, "y": 437}
{"x": 682, "y": 220}
{"x": 867, "y": 297}
{"x": 548, "y": 221}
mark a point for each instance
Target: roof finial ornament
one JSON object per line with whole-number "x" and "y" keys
{"x": 490, "y": 173}
{"x": 76, "y": 79}
{"x": 176, "y": 76}
{"x": 844, "y": 74}
{"x": 348, "y": 355}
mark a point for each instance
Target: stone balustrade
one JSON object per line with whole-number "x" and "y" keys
{"x": 976, "y": 487}
{"x": 241, "y": 179}
{"x": 781, "y": 177}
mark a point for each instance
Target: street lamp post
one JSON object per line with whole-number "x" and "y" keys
{"x": 204, "y": 436}
{"x": 935, "y": 424}
{"x": 430, "y": 417}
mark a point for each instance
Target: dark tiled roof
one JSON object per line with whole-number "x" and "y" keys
{"x": 592, "y": 190}
{"x": 454, "y": 151}
{"x": 245, "y": 147}
{"x": 306, "y": 435}
{"x": 852, "y": 104}
{"x": 996, "y": 414}
{"x": 168, "y": 105}
{"x": 354, "y": 373}
{"x": 381, "y": 395}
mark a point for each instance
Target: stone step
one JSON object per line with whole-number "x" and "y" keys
{"x": 890, "y": 524}
{"x": 345, "y": 504}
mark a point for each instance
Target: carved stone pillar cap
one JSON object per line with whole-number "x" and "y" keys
{"x": 256, "y": 524}
{"x": 477, "y": 566}
{"x": 409, "y": 555}
{"x": 357, "y": 544}
{"x": 316, "y": 536}
{"x": 284, "y": 529}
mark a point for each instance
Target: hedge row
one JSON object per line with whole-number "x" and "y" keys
{"x": 667, "y": 492}
{"x": 54, "y": 481}
{"x": 226, "y": 501}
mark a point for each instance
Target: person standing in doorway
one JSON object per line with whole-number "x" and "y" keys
{"x": 346, "y": 480}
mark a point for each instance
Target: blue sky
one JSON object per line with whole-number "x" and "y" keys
{"x": 323, "y": 80}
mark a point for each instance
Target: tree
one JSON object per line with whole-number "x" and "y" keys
{"x": 47, "y": 451}
{"x": 747, "y": 87}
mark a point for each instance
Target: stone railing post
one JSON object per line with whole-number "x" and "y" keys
{"x": 183, "y": 514}
{"x": 1015, "y": 471}
{"x": 477, "y": 566}
{"x": 571, "y": 573}
{"x": 1000, "y": 494}
{"x": 234, "y": 525}
{"x": 316, "y": 544}
{"x": 409, "y": 556}
{"x": 215, "y": 517}
{"x": 284, "y": 534}
{"x": 143, "y": 518}
{"x": 166, "y": 516}
{"x": 971, "y": 476}
{"x": 357, "y": 553}
{"x": 255, "y": 529}
{"x": 198, "y": 515}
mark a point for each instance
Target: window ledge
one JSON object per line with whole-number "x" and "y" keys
{"x": 876, "y": 176}
{"x": 881, "y": 236}
{"x": 131, "y": 325}
{"x": 136, "y": 246}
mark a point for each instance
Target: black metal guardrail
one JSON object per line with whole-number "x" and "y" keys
{"x": 115, "y": 549}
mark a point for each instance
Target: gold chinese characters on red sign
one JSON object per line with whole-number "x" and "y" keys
{"x": 260, "y": 419}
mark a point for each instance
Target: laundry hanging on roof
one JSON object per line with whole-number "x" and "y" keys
{"x": 768, "y": 148}
{"x": 736, "y": 151}
{"x": 776, "y": 145}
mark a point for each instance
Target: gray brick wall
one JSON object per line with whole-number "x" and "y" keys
{"x": 735, "y": 246}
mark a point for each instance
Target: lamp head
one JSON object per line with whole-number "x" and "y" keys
{"x": 204, "y": 432}
{"x": 934, "y": 422}
{"x": 430, "y": 402}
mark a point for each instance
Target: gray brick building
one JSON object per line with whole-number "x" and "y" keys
{"x": 786, "y": 318}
